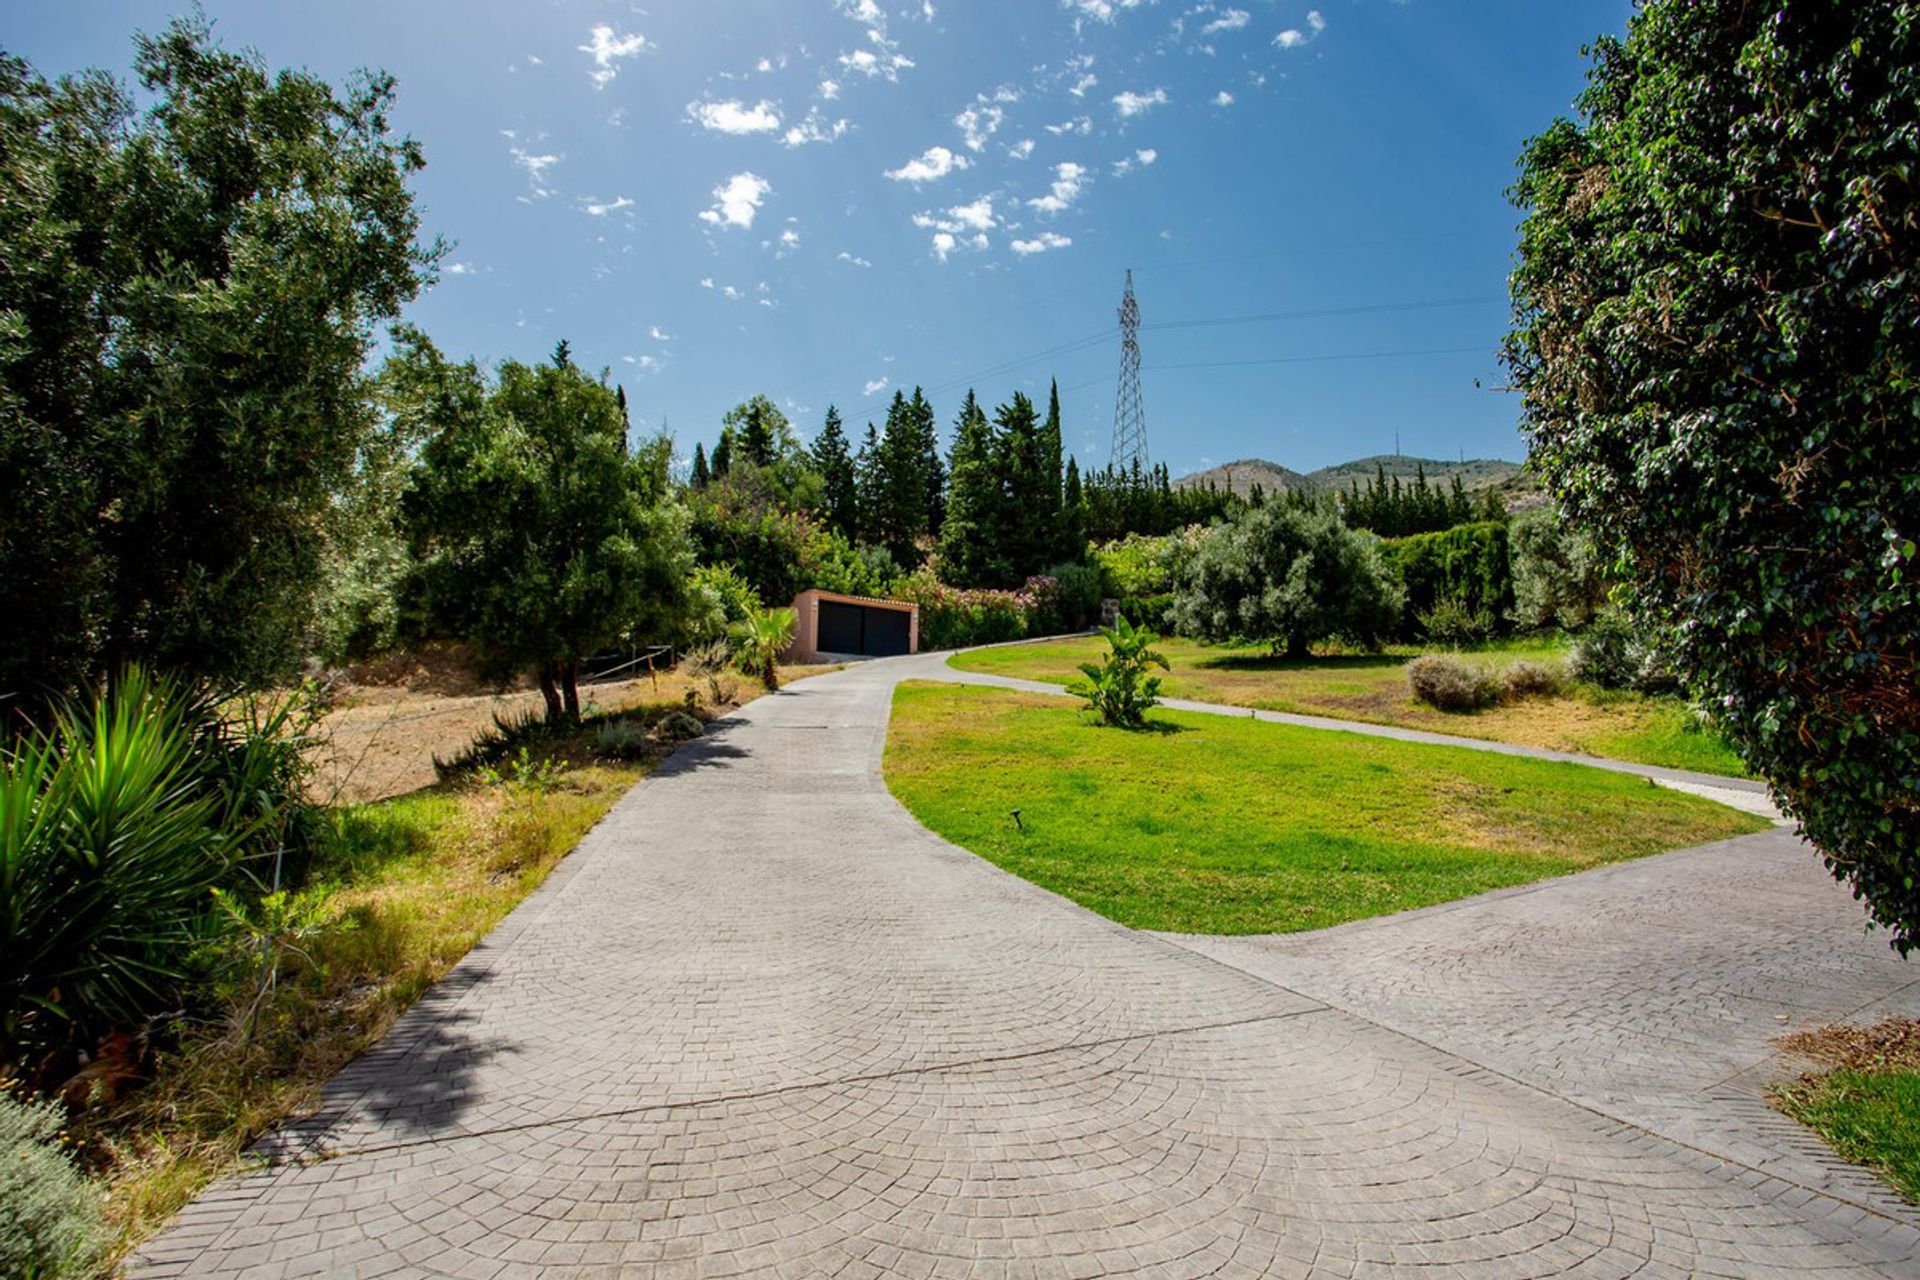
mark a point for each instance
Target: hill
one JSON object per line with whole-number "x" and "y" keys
{"x": 1517, "y": 487}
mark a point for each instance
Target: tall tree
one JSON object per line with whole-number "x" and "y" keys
{"x": 700, "y": 477}
{"x": 839, "y": 487}
{"x": 933, "y": 470}
{"x": 900, "y": 511}
{"x": 190, "y": 295}
{"x": 1031, "y": 517}
{"x": 1717, "y": 336}
{"x": 868, "y": 482}
{"x": 539, "y": 537}
{"x": 1054, "y": 534}
{"x": 970, "y": 538}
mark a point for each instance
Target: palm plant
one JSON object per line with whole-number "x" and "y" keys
{"x": 760, "y": 639}
{"x": 1118, "y": 689}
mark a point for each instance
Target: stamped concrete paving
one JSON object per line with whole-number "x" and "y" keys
{"x": 762, "y": 1023}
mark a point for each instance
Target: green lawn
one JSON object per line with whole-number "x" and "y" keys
{"x": 1866, "y": 1102}
{"x": 1372, "y": 687}
{"x": 1207, "y": 824}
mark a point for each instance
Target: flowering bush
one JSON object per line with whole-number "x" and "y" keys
{"x": 954, "y": 617}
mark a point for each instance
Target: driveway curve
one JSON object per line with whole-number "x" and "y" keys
{"x": 763, "y": 1023}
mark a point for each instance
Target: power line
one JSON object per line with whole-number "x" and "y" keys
{"x": 1327, "y": 312}
{"x": 1346, "y": 355}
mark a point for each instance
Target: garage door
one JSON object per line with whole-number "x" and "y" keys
{"x": 857, "y": 629}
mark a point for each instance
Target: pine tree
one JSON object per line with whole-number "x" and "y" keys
{"x": 701, "y": 477}
{"x": 969, "y": 538}
{"x": 1060, "y": 542}
{"x": 1030, "y": 518}
{"x": 840, "y": 489}
{"x": 900, "y": 516}
{"x": 723, "y": 453}
{"x": 932, "y": 470}
{"x": 1073, "y": 515}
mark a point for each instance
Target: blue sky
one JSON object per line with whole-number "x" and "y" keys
{"x": 824, "y": 200}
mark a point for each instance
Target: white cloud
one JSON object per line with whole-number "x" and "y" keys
{"x": 1293, "y": 37}
{"x": 873, "y": 385}
{"x": 888, "y": 63}
{"x": 1223, "y": 99}
{"x": 1099, "y": 10}
{"x": 1229, "y": 20}
{"x": 932, "y": 164}
{"x": 1082, "y": 125}
{"x": 1132, "y": 104}
{"x": 736, "y": 201}
{"x": 977, "y": 216}
{"x": 646, "y": 364}
{"x": 706, "y": 282}
{"x": 731, "y": 293}
{"x": 536, "y": 167}
{"x": 1146, "y": 155}
{"x": 735, "y": 117}
{"x": 790, "y": 238}
{"x": 829, "y": 89}
{"x": 978, "y": 123}
{"x": 1041, "y": 243}
{"x": 658, "y": 334}
{"x": 815, "y": 128}
{"x": 1021, "y": 149}
{"x": 601, "y": 208}
{"x": 1084, "y": 83}
{"x": 1068, "y": 178}
{"x": 458, "y": 269}
{"x": 851, "y": 259}
{"x": 607, "y": 47}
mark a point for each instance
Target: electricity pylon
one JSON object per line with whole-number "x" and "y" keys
{"x": 1129, "y": 413}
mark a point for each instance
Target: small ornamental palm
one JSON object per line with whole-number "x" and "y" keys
{"x": 760, "y": 639}
{"x": 1119, "y": 690}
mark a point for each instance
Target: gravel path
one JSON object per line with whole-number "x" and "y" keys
{"x": 763, "y": 1023}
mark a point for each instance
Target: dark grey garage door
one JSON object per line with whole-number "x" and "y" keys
{"x": 853, "y": 628}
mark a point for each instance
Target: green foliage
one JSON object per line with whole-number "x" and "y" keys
{"x": 712, "y": 665}
{"x": 1451, "y": 684}
{"x": 1136, "y": 565}
{"x": 1716, "y": 340}
{"x": 970, "y": 554}
{"x": 760, "y": 639}
{"x": 839, "y": 491}
{"x": 1869, "y": 1117}
{"x": 1154, "y": 611}
{"x": 1558, "y": 578}
{"x": 1119, "y": 689}
{"x": 955, "y": 617}
{"x": 115, "y": 826}
{"x": 717, "y": 597}
{"x": 1392, "y": 510}
{"x": 540, "y": 537}
{"x": 1526, "y": 679}
{"x": 50, "y": 1213}
{"x": 1287, "y": 575}
{"x": 834, "y": 564}
{"x": 1614, "y": 653}
{"x": 1459, "y": 578}
{"x": 1064, "y": 598}
{"x": 188, "y": 295}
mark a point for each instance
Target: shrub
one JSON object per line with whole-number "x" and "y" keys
{"x": 850, "y": 569}
{"x": 1458, "y": 573}
{"x": 1065, "y": 598}
{"x": 1118, "y": 689}
{"x": 953, "y": 617}
{"x": 1450, "y": 683}
{"x": 1558, "y": 578}
{"x": 1716, "y": 337}
{"x": 712, "y": 665}
{"x": 115, "y": 826}
{"x": 1450, "y": 623}
{"x": 50, "y": 1213}
{"x": 1288, "y": 575}
{"x": 719, "y": 597}
{"x": 1153, "y": 612}
{"x": 1529, "y": 680}
{"x": 1615, "y": 654}
{"x": 623, "y": 740}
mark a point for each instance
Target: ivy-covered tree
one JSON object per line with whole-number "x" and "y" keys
{"x": 539, "y": 536}
{"x": 839, "y": 489}
{"x": 1717, "y": 333}
{"x": 189, "y": 283}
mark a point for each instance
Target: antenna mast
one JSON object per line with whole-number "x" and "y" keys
{"x": 1129, "y": 414}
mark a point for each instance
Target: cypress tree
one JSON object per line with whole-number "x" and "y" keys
{"x": 701, "y": 477}
{"x": 901, "y": 513}
{"x": 867, "y": 488}
{"x": 839, "y": 487}
{"x": 969, "y": 538}
{"x": 1053, "y": 533}
{"x": 932, "y": 470}
{"x": 723, "y": 453}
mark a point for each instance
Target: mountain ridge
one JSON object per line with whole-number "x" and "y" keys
{"x": 1517, "y": 487}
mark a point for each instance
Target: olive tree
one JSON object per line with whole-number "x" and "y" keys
{"x": 1287, "y": 574}
{"x": 1717, "y": 333}
{"x": 539, "y": 535}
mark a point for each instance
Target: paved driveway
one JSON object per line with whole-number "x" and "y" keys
{"x": 762, "y": 1023}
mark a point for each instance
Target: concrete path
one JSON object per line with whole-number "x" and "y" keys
{"x": 762, "y": 1023}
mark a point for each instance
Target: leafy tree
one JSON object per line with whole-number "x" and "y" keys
{"x": 1716, "y": 339}
{"x": 760, "y": 430}
{"x": 1119, "y": 689}
{"x": 189, "y": 294}
{"x": 1288, "y": 575}
{"x": 840, "y": 495}
{"x": 539, "y": 536}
